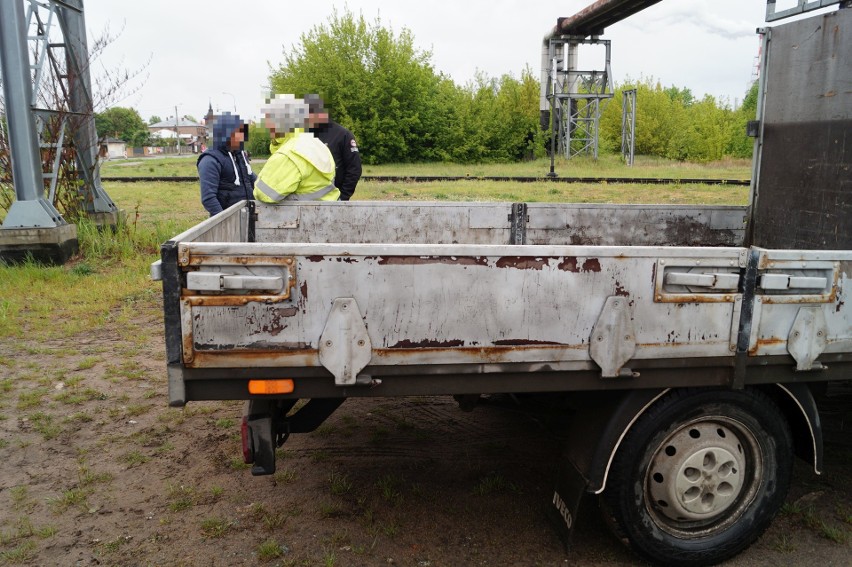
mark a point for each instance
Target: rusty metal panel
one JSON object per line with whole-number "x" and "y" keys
{"x": 490, "y": 223}
{"x": 461, "y": 304}
{"x": 803, "y": 194}
{"x": 775, "y": 314}
{"x": 635, "y": 225}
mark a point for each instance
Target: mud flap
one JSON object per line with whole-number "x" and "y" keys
{"x": 263, "y": 445}
{"x": 565, "y": 504}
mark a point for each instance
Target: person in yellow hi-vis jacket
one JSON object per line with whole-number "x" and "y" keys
{"x": 301, "y": 168}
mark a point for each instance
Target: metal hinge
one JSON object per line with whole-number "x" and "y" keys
{"x": 216, "y": 281}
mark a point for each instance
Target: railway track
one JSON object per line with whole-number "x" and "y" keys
{"x": 434, "y": 178}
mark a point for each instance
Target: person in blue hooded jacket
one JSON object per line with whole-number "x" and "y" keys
{"x": 224, "y": 171}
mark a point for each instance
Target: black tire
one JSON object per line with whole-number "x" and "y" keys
{"x": 699, "y": 476}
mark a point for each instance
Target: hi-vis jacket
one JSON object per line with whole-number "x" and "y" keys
{"x": 301, "y": 168}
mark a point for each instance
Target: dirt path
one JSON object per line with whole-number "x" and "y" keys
{"x": 95, "y": 469}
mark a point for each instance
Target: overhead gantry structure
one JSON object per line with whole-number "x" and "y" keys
{"x": 29, "y": 55}
{"x": 570, "y": 97}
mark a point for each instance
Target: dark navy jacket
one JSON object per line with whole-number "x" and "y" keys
{"x": 347, "y": 159}
{"x": 218, "y": 168}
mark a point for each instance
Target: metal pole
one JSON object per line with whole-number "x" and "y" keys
{"x": 30, "y": 209}
{"x": 234, "y": 99}
{"x": 177, "y": 131}
{"x": 81, "y": 104}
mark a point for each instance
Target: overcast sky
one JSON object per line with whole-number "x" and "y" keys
{"x": 200, "y": 50}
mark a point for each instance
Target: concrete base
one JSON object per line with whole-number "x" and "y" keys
{"x": 108, "y": 219}
{"x": 55, "y": 245}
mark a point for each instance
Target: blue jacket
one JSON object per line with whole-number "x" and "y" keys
{"x": 225, "y": 175}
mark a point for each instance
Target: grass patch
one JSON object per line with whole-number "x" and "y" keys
{"x": 285, "y": 476}
{"x": 180, "y": 497}
{"x": 389, "y": 488}
{"x": 225, "y": 423}
{"x": 339, "y": 483}
{"x": 31, "y": 399}
{"x": 492, "y": 483}
{"x": 270, "y": 549}
{"x": 69, "y": 498}
{"x": 44, "y": 424}
{"x": 23, "y": 553}
{"x": 88, "y": 363}
{"x": 76, "y": 397}
{"x": 215, "y": 527}
{"x": 134, "y": 458}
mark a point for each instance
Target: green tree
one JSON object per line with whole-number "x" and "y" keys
{"x": 739, "y": 144}
{"x": 122, "y": 123}
{"x": 258, "y": 140}
{"x": 374, "y": 81}
{"x": 154, "y": 119}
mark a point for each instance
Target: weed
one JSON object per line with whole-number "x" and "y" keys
{"x": 388, "y": 485}
{"x": 181, "y": 497}
{"x": 327, "y": 510}
{"x": 214, "y": 527}
{"x": 328, "y": 558}
{"x": 284, "y": 476}
{"x": 492, "y": 483}
{"x": 135, "y": 458}
{"x": 72, "y": 497}
{"x": 30, "y": 399}
{"x": 822, "y": 528}
{"x": 238, "y": 464}
{"x": 88, "y": 362}
{"x": 134, "y": 410}
{"x": 77, "y": 397}
{"x": 325, "y": 430}
{"x": 391, "y": 529}
{"x": 19, "y": 496}
{"x": 6, "y": 383}
{"x": 225, "y": 423}
{"x": 340, "y": 483}
{"x": 43, "y": 423}
{"x": 784, "y": 544}
{"x": 216, "y": 492}
{"x": 320, "y": 456}
{"x": 80, "y": 416}
{"x": 3, "y": 442}
{"x": 20, "y": 554}
{"x": 87, "y": 477}
{"x": 269, "y": 550}
{"x": 273, "y": 521}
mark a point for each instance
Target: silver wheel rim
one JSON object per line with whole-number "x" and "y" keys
{"x": 703, "y": 476}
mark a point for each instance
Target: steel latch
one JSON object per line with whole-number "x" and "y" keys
{"x": 784, "y": 281}
{"x": 216, "y": 281}
{"x": 710, "y": 281}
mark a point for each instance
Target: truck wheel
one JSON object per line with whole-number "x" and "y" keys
{"x": 700, "y": 476}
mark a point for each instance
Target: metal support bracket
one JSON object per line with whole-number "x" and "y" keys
{"x": 344, "y": 346}
{"x": 807, "y": 338}
{"x": 613, "y": 340}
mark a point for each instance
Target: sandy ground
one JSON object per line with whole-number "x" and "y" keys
{"x": 95, "y": 469}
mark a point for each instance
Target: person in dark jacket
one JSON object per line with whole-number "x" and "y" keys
{"x": 223, "y": 169}
{"x": 341, "y": 142}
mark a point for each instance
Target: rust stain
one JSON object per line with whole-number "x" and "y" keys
{"x": 304, "y": 289}
{"x": 619, "y": 290}
{"x": 840, "y": 305}
{"x": 234, "y": 300}
{"x": 275, "y": 324}
{"x": 771, "y": 341}
{"x": 227, "y": 260}
{"x": 347, "y": 260}
{"x": 315, "y": 258}
{"x": 422, "y": 260}
{"x": 653, "y": 274}
{"x": 684, "y": 298}
{"x": 525, "y": 342}
{"x": 522, "y": 262}
{"x": 568, "y": 264}
{"x": 427, "y": 344}
{"x": 591, "y": 265}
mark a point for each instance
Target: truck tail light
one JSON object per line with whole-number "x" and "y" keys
{"x": 270, "y": 386}
{"x": 245, "y": 434}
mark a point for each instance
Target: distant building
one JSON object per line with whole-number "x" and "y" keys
{"x": 191, "y": 133}
{"x": 113, "y": 148}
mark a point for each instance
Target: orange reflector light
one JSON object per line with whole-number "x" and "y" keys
{"x": 270, "y": 386}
